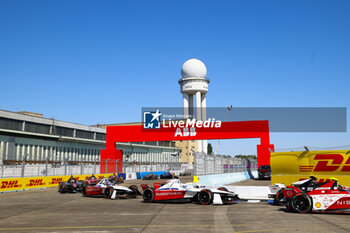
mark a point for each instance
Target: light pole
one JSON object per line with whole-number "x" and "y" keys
{"x": 116, "y": 165}
{"x": 23, "y": 163}
{"x": 229, "y": 108}
{"x": 65, "y": 165}
{"x": 106, "y": 165}
{"x": 47, "y": 162}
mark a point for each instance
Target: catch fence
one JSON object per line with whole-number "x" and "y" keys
{"x": 205, "y": 164}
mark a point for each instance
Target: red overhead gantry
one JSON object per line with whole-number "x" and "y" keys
{"x": 228, "y": 130}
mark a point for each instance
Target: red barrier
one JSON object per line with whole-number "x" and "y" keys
{"x": 228, "y": 130}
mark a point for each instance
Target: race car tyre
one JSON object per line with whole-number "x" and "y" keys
{"x": 223, "y": 189}
{"x": 279, "y": 197}
{"x": 134, "y": 191}
{"x": 301, "y": 203}
{"x": 288, "y": 207}
{"x": 83, "y": 191}
{"x": 107, "y": 193}
{"x": 205, "y": 197}
{"x": 133, "y": 187}
{"x": 148, "y": 195}
{"x": 60, "y": 188}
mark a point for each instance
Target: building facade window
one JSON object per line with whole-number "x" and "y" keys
{"x": 10, "y": 124}
{"x": 62, "y": 131}
{"x": 37, "y": 128}
{"x": 101, "y": 136}
{"x": 84, "y": 134}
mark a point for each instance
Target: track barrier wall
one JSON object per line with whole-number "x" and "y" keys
{"x": 289, "y": 167}
{"x": 15, "y": 184}
{"x": 25, "y": 183}
{"x": 223, "y": 179}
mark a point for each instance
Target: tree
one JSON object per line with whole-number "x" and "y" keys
{"x": 210, "y": 149}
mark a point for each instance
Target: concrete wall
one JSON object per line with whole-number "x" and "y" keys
{"x": 224, "y": 179}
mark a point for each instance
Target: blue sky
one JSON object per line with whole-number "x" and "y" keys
{"x": 99, "y": 62}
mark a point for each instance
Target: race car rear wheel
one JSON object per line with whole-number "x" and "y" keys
{"x": 205, "y": 197}
{"x": 107, "y": 193}
{"x": 83, "y": 191}
{"x": 223, "y": 189}
{"x": 148, "y": 195}
{"x": 301, "y": 203}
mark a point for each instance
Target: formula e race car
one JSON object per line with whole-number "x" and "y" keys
{"x": 70, "y": 186}
{"x": 91, "y": 181}
{"x": 174, "y": 191}
{"x": 150, "y": 176}
{"x": 285, "y": 193}
{"x": 115, "y": 179}
{"x": 185, "y": 173}
{"x": 327, "y": 196}
{"x": 168, "y": 175}
{"x": 264, "y": 172}
{"x": 107, "y": 189}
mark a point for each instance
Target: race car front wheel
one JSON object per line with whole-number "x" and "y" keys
{"x": 279, "y": 198}
{"x": 60, "y": 188}
{"x": 135, "y": 191}
{"x": 148, "y": 195}
{"x": 205, "y": 197}
{"x": 302, "y": 203}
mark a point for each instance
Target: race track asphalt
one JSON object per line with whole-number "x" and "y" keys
{"x": 46, "y": 210}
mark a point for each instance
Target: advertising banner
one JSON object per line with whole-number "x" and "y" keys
{"x": 13, "y": 184}
{"x": 289, "y": 167}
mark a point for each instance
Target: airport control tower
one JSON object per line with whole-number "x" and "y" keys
{"x": 195, "y": 84}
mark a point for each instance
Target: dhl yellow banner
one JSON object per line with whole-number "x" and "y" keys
{"x": 13, "y": 184}
{"x": 289, "y": 167}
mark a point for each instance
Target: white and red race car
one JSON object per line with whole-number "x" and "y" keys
{"x": 174, "y": 191}
{"x": 107, "y": 189}
{"x": 326, "y": 197}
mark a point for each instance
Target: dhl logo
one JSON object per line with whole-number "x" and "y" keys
{"x": 327, "y": 163}
{"x": 56, "y": 180}
{"x": 36, "y": 182}
{"x": 10, "y": 184}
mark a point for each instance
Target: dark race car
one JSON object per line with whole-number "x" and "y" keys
{"x": 150, "y": 176}
{"x": 70, "y": 186}
{"x": 115, "y": 179}
{"x": 264, "y": 172}
{"x": 185, "y": 173}
{"x": 168, "y": 175}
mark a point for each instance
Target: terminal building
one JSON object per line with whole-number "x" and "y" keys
{"x": 38, "y": 141}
